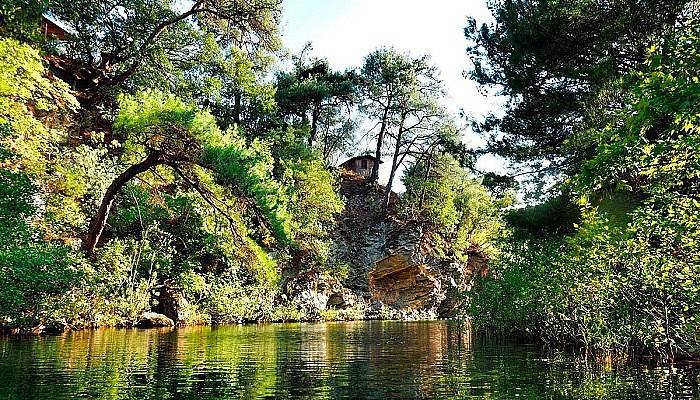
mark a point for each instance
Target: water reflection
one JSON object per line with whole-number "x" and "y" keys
{"x": 334, "y": 360}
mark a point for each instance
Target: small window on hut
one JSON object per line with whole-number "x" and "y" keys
{"x": 363, "y": 164}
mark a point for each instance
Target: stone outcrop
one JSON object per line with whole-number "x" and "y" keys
{"x": 313, "y": 292}
{"x": 403, "y": 278}
{"x": 361, "y": 232}
{"x": 412, "y": 277}
{"x": 393, "y": 266}
{"x": 173, "y": 304}
{"x": 459, "y": 278}
{"x": 402, "y": 284}
{"x": 154, "y": 320}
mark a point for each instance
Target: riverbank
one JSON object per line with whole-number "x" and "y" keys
{"x": 156, "y": 320}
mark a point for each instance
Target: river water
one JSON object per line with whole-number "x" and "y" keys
{"x": 376, "y": 360}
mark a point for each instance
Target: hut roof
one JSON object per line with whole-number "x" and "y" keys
{"x": 368, "y": 157}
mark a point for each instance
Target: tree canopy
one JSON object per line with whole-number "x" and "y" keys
{"x": 561, "y": 65}
{"x": 610, "y": 263}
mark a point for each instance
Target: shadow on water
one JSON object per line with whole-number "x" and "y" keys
{"x": 333, "y": 360}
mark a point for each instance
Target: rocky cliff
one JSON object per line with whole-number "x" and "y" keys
{"x": 393, "y": 267}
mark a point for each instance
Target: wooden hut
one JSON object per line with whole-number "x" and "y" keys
{"x": 361, "y": 165}
{"x": 53, "y": 28}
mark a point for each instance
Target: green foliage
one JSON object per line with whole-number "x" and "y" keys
{"x": 21, "y": 19}
{"x": 314, "y": 200}
{"x": 559, "y": 64}
{"x": 557, "y": 215}
{"x": 402, "y": 94}
{"x": 207, "y": 235}
{"x": 500, "y": 185}
{"x": 191, "y": 49}
{"x": 34, "y": 111}
{"x": 123, "y": 275}
{"x": 300, "y": 201}
{"x": 15, "y": 205}
{"x": 511, "y": 299}
{"x": 627, "y": 277}
{"x": 32, "y": 269}
{"x": 198, "y": 223}
{"x": 461, "y": 209}
{"x": 238, "y": 95}
{"x": 31, "y": 104}
{"x": 250, "y": 168}
{"x": 387, "y": 73}
{"x": 320, "y": 99}
{"x": 157, "y": 122}
{"x": 32, "y": 273}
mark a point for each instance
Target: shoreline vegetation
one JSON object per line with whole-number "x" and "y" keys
{"x": 176, "y": 163}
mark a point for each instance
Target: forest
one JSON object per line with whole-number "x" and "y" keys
{"x": 174, "y": 159}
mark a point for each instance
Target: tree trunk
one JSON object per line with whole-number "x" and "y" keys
{"x": 392, "y": 174}
{"x": 428, "y": 165}
{"x": 380, "y": 141}
{"x": 237, "y": 107}
{"x": 315, "y": 115}
{"x": 100, "y": 220}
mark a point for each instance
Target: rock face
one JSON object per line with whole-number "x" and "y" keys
{"x": 460, "y": 278}
{"x": 392, "y": 265}
{"x": 154, "y": 320}
{"x": 403, "y": 279}
{"x": 411, "y": 277}
{"x": 361, "y": 232}
{"x": 402, "y": 284}
{"x": 393, "y": 268}
{"x": 316, "y": 292}
{"x": 173, "y": 304}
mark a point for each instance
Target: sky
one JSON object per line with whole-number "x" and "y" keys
{"x": 344, "y": 31}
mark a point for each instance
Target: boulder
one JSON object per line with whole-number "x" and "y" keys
{"x": 341, "y": 298}
{"x": 154, "y": 320}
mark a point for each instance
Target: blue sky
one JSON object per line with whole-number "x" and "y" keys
{"x": 344, "y": 31}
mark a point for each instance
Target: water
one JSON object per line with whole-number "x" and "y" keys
{"x": 377, "y": 360}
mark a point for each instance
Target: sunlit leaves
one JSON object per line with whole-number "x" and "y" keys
{"x": 456, "y": 204}
{"x": 627, "y": 277}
